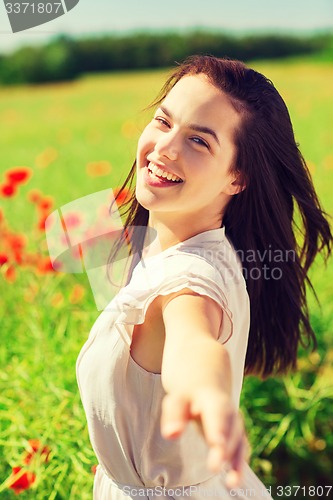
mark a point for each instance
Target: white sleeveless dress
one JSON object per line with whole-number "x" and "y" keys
{"x": 122, "y": 400}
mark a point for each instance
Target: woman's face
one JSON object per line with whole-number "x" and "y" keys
{"x": 185, "y": 153}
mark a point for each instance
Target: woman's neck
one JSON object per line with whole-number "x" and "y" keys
{"x": 172, "y": 229}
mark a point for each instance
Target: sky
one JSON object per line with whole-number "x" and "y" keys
{"x": 107, "y": 16}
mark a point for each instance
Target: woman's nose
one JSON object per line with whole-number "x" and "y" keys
{"x": 168, "y": 146}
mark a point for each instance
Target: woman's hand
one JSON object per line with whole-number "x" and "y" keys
{"x": 197, "y": 378}
{"x": 220, "y": 423}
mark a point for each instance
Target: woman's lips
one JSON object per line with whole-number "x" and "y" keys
{"x": 155, "y": 181}
{"x": 160, "y": 171}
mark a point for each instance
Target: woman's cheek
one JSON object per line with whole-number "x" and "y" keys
{"x": 146, "y": 139}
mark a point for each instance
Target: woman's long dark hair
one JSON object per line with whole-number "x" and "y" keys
{"x": 267, "y": 219}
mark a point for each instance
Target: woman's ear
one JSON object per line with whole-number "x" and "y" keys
{"x": 237, "y": 185}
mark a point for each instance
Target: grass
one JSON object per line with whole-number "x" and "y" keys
{"x": 57, "y": 130}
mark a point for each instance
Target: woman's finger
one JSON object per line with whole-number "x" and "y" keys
{"x": 240, "y": 457}
{"x": 234, "y": 436}
{"x": 216, "y": 458}
{"x": 216, "y": 416}
{"x": 175, "y": 415}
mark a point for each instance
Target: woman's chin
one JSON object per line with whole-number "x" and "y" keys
{"x": 145, "y": 198}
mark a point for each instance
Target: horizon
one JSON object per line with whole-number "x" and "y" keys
{"x": 240, "y": 17}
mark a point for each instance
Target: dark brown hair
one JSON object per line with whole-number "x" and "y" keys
{"x": 277, "y": 211}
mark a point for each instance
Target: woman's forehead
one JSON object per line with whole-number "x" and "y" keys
{"x": 195, "y": 99}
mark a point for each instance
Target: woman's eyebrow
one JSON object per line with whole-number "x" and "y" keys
{"x": 197, "y": 128}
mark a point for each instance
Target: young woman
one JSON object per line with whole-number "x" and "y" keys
{"x": 218, "y": 178}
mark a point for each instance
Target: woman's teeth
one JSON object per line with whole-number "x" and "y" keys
{"x": 161, "y": 173}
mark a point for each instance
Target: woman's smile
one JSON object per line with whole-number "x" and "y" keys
{"x": 156, "y": 176}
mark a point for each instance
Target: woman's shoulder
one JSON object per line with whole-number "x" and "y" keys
{"x": 211, "y": 253}
{"x": 208, "y": 255}
{"x": 205, "y": 265}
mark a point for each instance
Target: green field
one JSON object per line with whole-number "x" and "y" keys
{"x": 63, "y": 133}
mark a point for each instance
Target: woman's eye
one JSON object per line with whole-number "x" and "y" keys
{"x": 161, "y": 120}
{"x": 200, "y": 142}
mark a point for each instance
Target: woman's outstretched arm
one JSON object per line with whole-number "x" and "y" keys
{"x": 196, "y": 376}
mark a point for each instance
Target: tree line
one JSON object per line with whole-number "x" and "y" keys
{"x": 65, "y": 58}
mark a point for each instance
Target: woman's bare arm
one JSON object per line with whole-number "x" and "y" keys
{"x": 196, "y": 376}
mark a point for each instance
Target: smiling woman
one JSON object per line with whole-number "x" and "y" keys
{"x": 187, "y": 138}
{"x": 218, "y": 174}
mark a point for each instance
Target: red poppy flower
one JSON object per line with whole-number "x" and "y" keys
{"x": 3, "y": 259}
{"x": 18, "y": 257}
{"x": 34, "y": 196}
{"x": 21, "y": 481}
{"x": 77, "y": 294}
{"x": 98, "y": 168}
{"x": 8, "y": 190}
{"x": 30, "y": 259}
{"x": 18, "y": 175}
{"x": 122, "y": 196}
{"x": 35, "y": 448}
{"x": 10, "y": 274}
{"x": 45, "y": 203}
{"x": 44, "y": 265}
{"x": 17, "y": 241}
{"x": 41, "y": 222}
